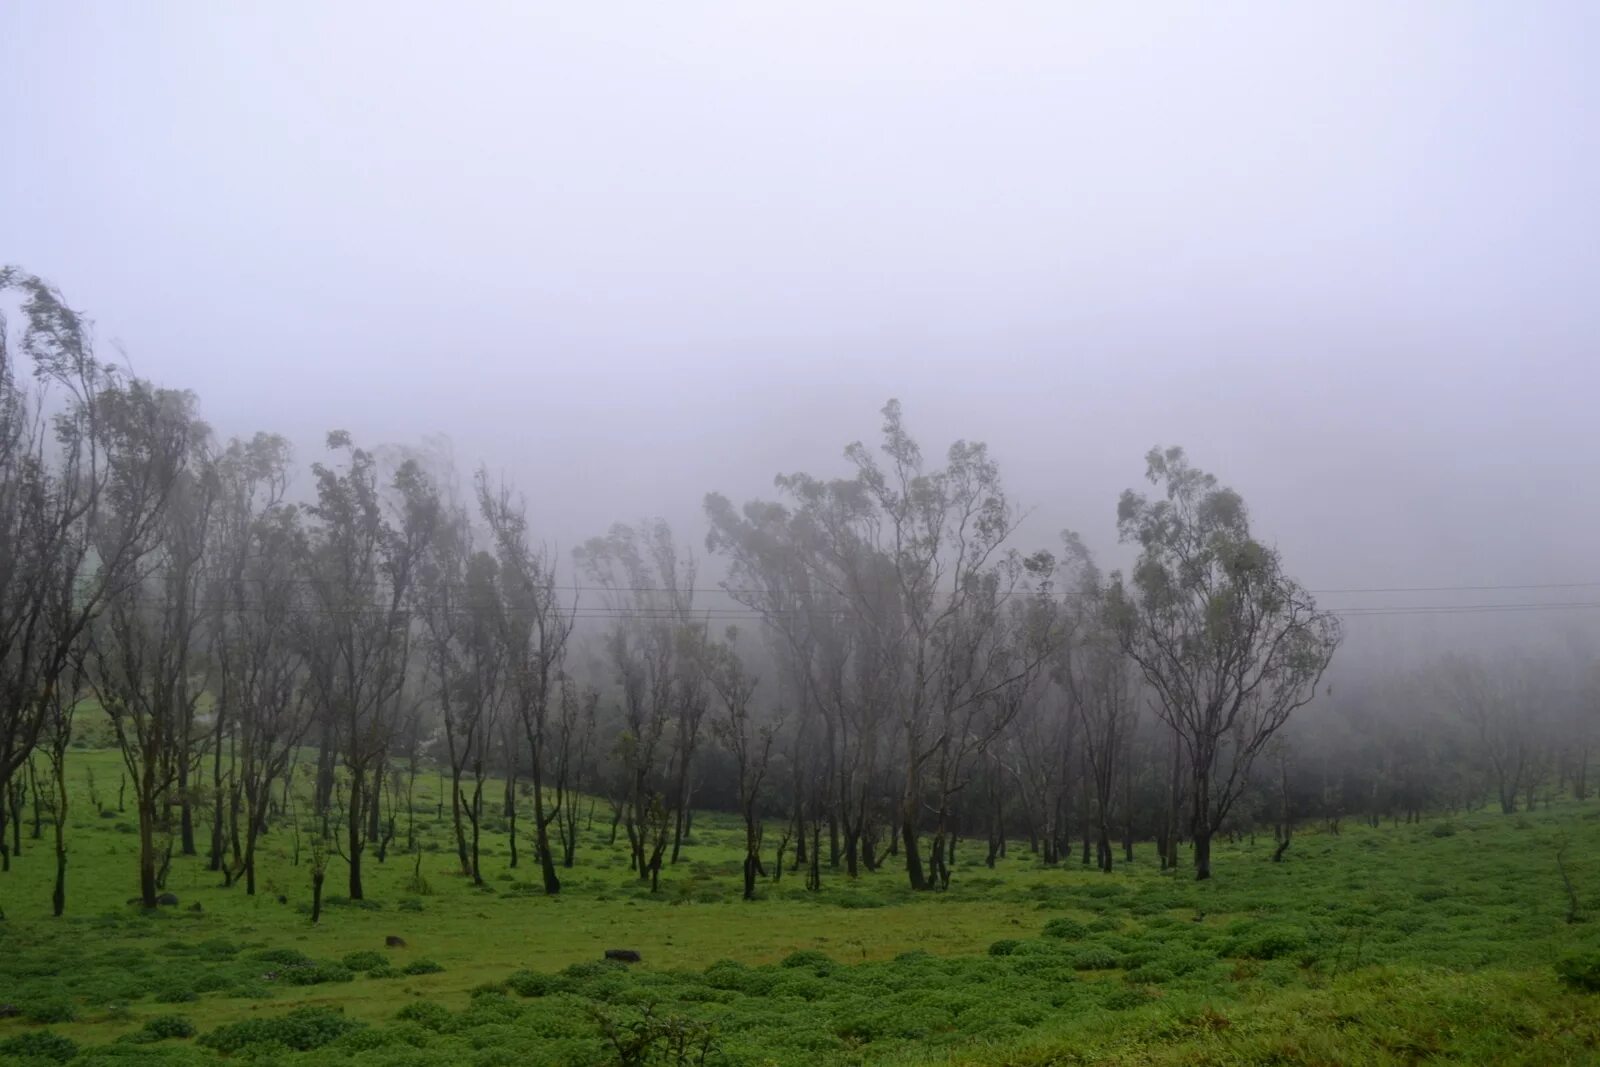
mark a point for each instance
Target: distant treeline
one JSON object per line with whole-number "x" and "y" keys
{"x": 905, "y": 676}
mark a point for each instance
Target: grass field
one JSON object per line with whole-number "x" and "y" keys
{"x": 1446, "y": 941}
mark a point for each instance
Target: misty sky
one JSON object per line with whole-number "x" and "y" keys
{"x": 1345, "y": 253}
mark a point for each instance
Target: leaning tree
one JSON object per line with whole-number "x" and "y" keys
{"x": 1228, "y": 642}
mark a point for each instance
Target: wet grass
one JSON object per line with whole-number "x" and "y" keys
{"x": 1445, "y": 941}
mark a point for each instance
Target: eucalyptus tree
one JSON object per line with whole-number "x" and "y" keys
{"x": 256, "y": 603}
{"x": 748, "y": 742}
{"x": 365, "y": 542}
{"x": 461, "y": 607}
{"x": 534, "y": 629}
{"x": 1230, "y": 645}
{"x": 65, "y": 547}
{"x": 1510, "y": 707}
{"x": 648, "y": 586}
{"x": 1095, "y": 675}
{"x": 786, "y": 563}
{"x": 910, "y": 554}
{"x": 145, "y": 651}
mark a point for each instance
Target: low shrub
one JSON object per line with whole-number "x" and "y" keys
{"x": 300, "y": 1031}
{"x": 1066, "y": 929}
{"x": 39, "y": 1045}
{"x": 1581, "y": 971}
{"x": 365, "y": 960}
{"x": 423, "y": 966}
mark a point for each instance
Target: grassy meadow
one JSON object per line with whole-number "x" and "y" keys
{"x": 1446, "y": 941}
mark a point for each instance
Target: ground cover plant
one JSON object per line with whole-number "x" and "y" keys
{"x": 1387, "y": 944}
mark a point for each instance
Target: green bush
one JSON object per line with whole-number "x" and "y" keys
{"x": 1581, "y": 971}
{"x": 426, "y": 1014}
{"x": 365, "y": 960}
{"x": 315, "y": 972}
{"x": 423, "y": 966}
{"x": 164, "y": 1026}
{"x": 50, "y": 1010}
{"x": 1096, "y": 958}
{"x": 807, "y": 958}
{"x": 39, "y": 1045}
{"x": 1004, "y": 947}
{"x": 300, "y": 1030}
{"x": 1066, "y": 929}
{"x": 1268, "y": 943}
{"x": 533, "y": 984}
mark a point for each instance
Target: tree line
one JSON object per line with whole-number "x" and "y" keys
{"x": 907, "y": 679}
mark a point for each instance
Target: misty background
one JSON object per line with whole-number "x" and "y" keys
{"x": 626, "y": 255}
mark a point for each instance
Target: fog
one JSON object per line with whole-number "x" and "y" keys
{"x": 628, "y": 255}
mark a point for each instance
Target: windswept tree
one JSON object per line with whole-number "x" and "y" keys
{"x": 916, "y": 558}
{"x": 648, "y": 585}
{"x": 260, "y": 688}
{"x": 534, "y": 629}
{"x": 65, "y": 545}
{"x": 145, "y": 650}
{"x": 1096, "y": 675}
{"x": 460, "y": 604}
{"x": 746, "y": 740}
{"x": 1229, "y": 644}
{"x": 365, "y": 543}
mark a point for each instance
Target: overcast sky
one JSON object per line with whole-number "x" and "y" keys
{"x": 1345, "y": 253}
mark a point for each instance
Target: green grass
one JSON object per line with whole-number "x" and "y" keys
{"x": 1400, "y": 944}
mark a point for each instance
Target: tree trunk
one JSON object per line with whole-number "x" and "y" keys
{"x": 455, "y": 819}
{"x": 357, "y": 795}
{"x": 1202, "y": 853}
{"x": 541, "y": 830}
{"x": 147, "y": 852}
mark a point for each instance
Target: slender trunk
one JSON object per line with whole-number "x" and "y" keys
{"x": 186, "y": 810}
{"x": 456, "y": 820}
{"x": 58, "y": 896}
{"x": 1202, "y": 854}
{"x": 547, "y": 861}
{"x": 357, "y": 797}
{"x": 147, "y": 851}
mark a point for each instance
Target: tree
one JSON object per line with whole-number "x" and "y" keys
{"x": 649, "y": 587}
{"x": 1229, "y": 644}
{"x": 1095, "y": 673}
{"x": 534, "y": 628}
{"x": 360, "y": 569}
{"x": 750, "y": 745}
{"x": 144, "y": 650}
{"x": 65, "y": 547}
{"x": 915, "y": 556}
{"x": 256, "y": 604}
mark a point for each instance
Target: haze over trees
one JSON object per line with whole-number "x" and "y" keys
{"x": 866, "y": 668}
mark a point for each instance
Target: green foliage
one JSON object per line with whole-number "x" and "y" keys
{"x": 365, "y": 960}
{"x": 1066, "y": 929}
{"x": 300, "y": 1030}
{"x": 1581, "y": 971}
{"x": 165, "y": 1026}
{"x": 533, "y": 984}
{"x": 1004, "y": 947}
{"x": 39, "y": 1045}
{"x": 423, "y": 966}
